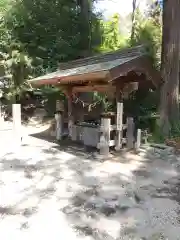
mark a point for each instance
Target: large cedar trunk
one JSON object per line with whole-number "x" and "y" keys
{"x": 169, "y": 105}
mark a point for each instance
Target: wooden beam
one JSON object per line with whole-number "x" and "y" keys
{"x": 78, "y": 78}
{"x": 130, "y": 77}
{"x": 129, "y": 88}
{"x": 140, "y": 65}
{"x": 98, "y": 88}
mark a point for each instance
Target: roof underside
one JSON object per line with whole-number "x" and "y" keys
{"x": 105, "y": 67}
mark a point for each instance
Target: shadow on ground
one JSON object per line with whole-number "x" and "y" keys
{"x": 116, "y": 198}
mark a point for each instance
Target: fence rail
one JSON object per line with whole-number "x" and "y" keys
{"x": 107, "y": 135}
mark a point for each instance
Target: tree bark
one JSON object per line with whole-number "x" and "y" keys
{"x": 169, "y": 104}
{"x": 133, "y": 19}
{"x": 85, "y": 13}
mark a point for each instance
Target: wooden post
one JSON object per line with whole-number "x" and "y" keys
{"x": 58, "y": 118}
{"x": 119, "y": 119}
{"x": 138, "y": 141}
{"x": 70, "y": 112}
{"x": 16, "y": 110}
{"x": 145, "y": 137}
{"x": 1, "y": 114}
{"x": 58, "y": 105}
{"x": 74, "y": 133}
{"x": 130, "y": 133}
{"x": 53, "y": 128}
{"x": 119, "y": 126}
{"x": 105, "y": 136}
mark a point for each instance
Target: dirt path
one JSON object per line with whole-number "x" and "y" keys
{"x": 50, "y": 193}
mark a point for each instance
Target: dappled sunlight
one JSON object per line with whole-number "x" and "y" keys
{"x": 113, "y": 198}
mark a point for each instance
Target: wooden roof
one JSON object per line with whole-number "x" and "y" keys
{"x": 105, "y": 68}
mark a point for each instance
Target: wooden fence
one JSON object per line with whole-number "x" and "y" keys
{"x": 107, "y": 134}
{"x": 124, "y": 133}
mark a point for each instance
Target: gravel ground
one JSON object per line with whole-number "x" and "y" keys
{"x": 47, "y": 191}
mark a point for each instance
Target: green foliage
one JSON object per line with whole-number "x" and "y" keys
{"x": 147, "y": 31}
{"x": 144, "y": 104}
{"x": 35, "y": 35}
{"x": 155, "y": 12}
{"x": 112, "y": 39}
{"x": 174, "y": 130}
{"x": 40, "y": 26}
{"x": 50, "y": 96}
{"x": 5, "y": 35}
{"x": 50, "y": 29}
{"x": 16, "y": 68}
{"x": 102, "y": 98}
{"x": 158, "y": 136}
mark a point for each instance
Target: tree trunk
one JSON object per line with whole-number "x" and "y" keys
{"x": 133, "y": 19}
{"x": 85, "y": 13}
{"x": 169, "y": 104}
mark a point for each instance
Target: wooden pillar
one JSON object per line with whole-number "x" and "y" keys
{"x": 58, "y": 117}
{"x": 58, "y": 105}
{"x": 1, "y": 114}
{"x": 16, "y": 111}
{"x": 145, "y": 137}
{"x": 105, "y": 136}
{"x": 60, "y": 110}
{"x": 119, "y": 118}
{"x": 74, "y": 133}
{"x": 138, "y": 140}
{"x": 130, "y": 133}
{"x": 70, "y": 112}
{"x": 119, "y": 126}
